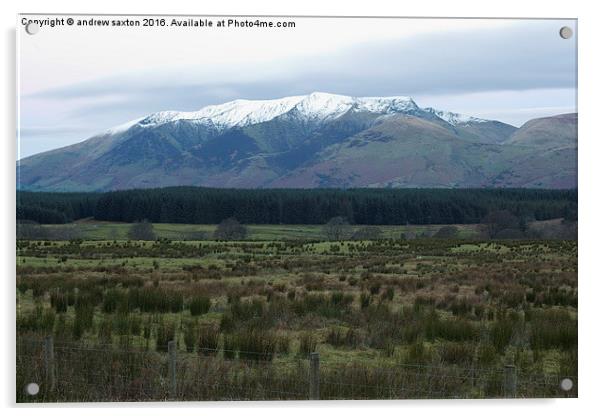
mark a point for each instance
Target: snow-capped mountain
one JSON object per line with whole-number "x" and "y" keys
{"x": 317, "y": 107}
{"x": 313, "y": 140}
{"x": 454, "y": 118}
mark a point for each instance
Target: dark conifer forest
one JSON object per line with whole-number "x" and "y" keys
{"x": 296, "y": 206}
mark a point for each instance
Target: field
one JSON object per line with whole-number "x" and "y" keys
{"x": 390, "y": 318}
{"x": 104, "y": 230}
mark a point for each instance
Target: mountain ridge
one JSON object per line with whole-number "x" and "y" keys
{"x": 240, "y": 113}
{"x": 313, "y": 140}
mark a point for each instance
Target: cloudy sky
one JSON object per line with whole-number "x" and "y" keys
{"x": 77, "y": 82}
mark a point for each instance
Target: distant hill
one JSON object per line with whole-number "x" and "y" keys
{"x": 316, "y": 140}
{"x": 556, "y": 132}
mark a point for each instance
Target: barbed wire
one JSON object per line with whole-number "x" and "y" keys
{"x": 206, "y": 372}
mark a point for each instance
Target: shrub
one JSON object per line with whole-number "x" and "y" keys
{"x": 456, "y": 352}
{"x": 105, "y": 330}
{"x": 513, "y": 298}
{"x": 256, "y": 345}
{"x": 31, "y": 321}
{"x": 388, "y": 348}
{"x": 84, "y": 317}
{"x": 423, "y": 302}
{"x": 142, "y": 230}
{"x": 411, "y": 331}
{"x": 496, "y": 221}
{"x": 230, "y": 229}
{"x": 165, "y": 333}
{"x": 61, "y": 328}
{"x": 367, "y": 233}
{"x": 501, "y": 334}
{"x": 176, "y": 301}
{"x": 336, "y": 229}
{"x": 449, "y": 329}
{"x": 22, "y": 286}
{"x": 147, "y": 331}
{"x": 388, "y": 294}
{"x": 156, "y": 299}
{"x": 461, "y": 307}
{"x": 375, "y": 289}
{"x": 341, "y": 299}
{"x": 307, "y": 343}
{"x": 320, "y": 304}
{"x": 447, "y": 232}
{"x": 110, "y": 301}
{"x": 208, "y": 340}
{"x": 230, "y": 346}
{"x": 336, "y": 337}
{"x": 339, "y": 337}
{"x": 199, "y": 305}
{"x": 190, "y": 334}
{"x": 365, "y": 300}
{"x": 283, "y": 343}
{"x": 417, "y": 353}
{"x": 121, "y": 324}
{"x": 245, "y": 311}
{"x": 135, "y": 325}
{"x": 487, "y": 355}
{"x": 47, "y": 321}
{"x": 59, "y": 301}
{"x": 553, "y": 328}
{"x": 227, "y": 322}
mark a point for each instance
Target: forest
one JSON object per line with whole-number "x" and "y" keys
{"x": 195, "y": 205}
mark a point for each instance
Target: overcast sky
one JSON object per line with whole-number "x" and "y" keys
{"x": 77, "y": 82}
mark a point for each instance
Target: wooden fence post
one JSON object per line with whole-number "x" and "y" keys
{"x": 171, "y": 350}
{"x": 473, "y": 374}
{"x": 314, "y": 376}
{"x": 49, "y": 363}
{"x": 509, "y": 381}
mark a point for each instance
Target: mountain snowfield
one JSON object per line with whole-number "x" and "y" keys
{"x": 454, "y": 118}
{"x": 315, "y": 107}
{"x": 313, "y": 140}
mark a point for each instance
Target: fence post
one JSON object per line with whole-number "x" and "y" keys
{"x": 171, "y": 349}
{"x": 509, "y": 381}
{"x": 473, "y": 375}
{"x": 314, "y": 376}
{"x": 49, "y": 363}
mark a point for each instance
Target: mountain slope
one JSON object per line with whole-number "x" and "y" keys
{"x": 473, "y": 128}
{"x": 548, "y": 132}
{"x": 313, "y": 140}
{"x": 404, "y": 151}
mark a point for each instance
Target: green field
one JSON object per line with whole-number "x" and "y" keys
{"x": 99, "y": 230}
{"x": 383, "y": 315}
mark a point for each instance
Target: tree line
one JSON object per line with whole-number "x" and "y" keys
{"x": 55, "y": 207}
{"x": 297, "y": 206}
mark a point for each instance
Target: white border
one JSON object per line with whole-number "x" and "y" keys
{"x": 590, "y": 139}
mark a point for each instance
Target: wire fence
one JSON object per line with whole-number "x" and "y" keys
{"x": 72, "y": 372}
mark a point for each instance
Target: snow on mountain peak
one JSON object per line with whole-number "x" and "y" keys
{"x": 230, "y": 114}
{"x": 454, "y": 118}
{"x": 317, "y": 106}
{"x": 324, "y": 106}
